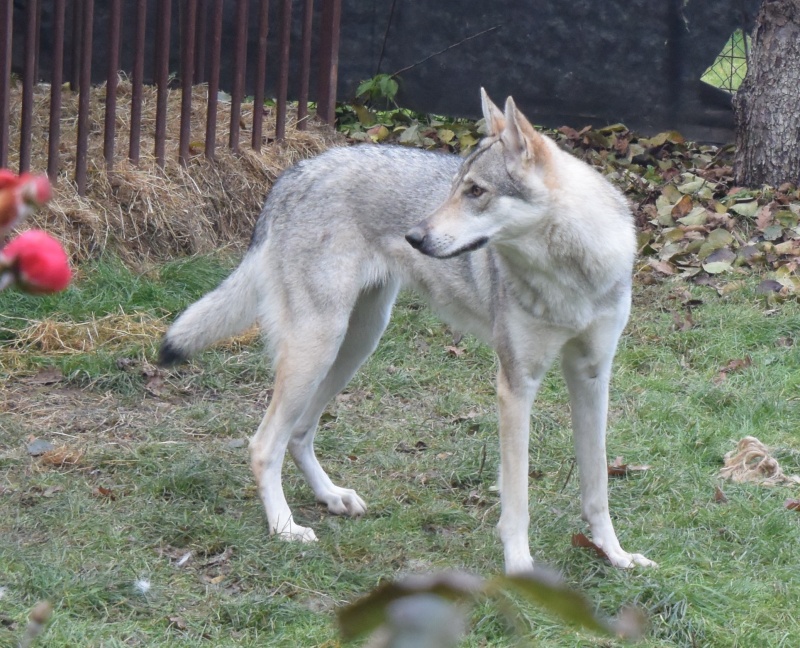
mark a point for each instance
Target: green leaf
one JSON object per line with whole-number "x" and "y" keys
{"x": 365, "y": 116}
{"x": 717, "y": 267}
{"x": 410, "y": 135}
{"x": 747, "y": 209}
{"x": 548, "y": 591}
{"x": 773, "y": 232}
{"x": 369, "y": 612}
{"x": 446, "y": 135}
{"x": 698, "y": 216}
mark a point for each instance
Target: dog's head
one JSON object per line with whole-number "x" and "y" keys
{"x": 500, "y": 192}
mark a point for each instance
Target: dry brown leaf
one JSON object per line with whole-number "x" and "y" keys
{"x": 719, "y": 496}
{"x": 456, "y": 352}
{"x": 102, "y": 492}
{"x": 792, "y": 504}
{"x": 618, "y": 468}
{"x": 580, "y": 540}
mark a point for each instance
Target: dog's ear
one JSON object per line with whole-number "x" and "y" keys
{"x": 520, "y": 137}
{"x": 495, "y": 121}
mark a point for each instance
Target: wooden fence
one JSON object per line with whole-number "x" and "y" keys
{"x": 201, "y": 40}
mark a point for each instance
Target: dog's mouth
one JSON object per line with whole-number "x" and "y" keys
{"x": 470, "y": 247}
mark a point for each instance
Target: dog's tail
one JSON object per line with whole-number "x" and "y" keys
{"x": 228, "y": 310}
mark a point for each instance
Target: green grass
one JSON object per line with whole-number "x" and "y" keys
{"x": 164, "y": 473}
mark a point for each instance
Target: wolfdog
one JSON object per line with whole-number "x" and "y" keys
{"x": 520, "y": 244}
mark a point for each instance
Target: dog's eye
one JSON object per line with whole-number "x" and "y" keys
{"x": 476, "y": 192}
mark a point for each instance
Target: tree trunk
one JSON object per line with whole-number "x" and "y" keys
{"x": 767, "y": 105}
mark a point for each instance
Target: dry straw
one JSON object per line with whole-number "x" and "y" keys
{"x": 145, "y": 212}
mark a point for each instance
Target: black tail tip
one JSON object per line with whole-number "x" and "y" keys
{"x": 169, "y": 355}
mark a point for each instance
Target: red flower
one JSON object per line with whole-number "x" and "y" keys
{"x": 19, "y": 195}
{"x": 37, "y": 262}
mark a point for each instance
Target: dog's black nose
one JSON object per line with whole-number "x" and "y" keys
{"x": 416, "y": 237}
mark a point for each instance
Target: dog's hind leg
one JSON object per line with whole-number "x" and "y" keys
{"x": 303, "y": 359}
{"x": 367, "y": 322}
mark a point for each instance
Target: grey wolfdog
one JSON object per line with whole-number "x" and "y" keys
{"x": 520, "y": 244}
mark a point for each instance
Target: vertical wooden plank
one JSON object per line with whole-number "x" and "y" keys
{"x": 213, "y": 80}
{"x": 329, "y": 59}
{"x": 54, "y": 136}
{"x": 28, "y": 80}
{"x": 137, "y": 81}
{"x": 77, "y": 24}
{"x": 37, "y": 40}
{"x": 200, "y": 43}
{"x": 261, "y": 73}
{"x": 187, "y": 76}
{"x": 6, "y": 29}
{"x": 162, "y": 78}
{"x": 283, "y": 69}
{"x": 305, "y": 65}
{"x": 112, "y": 80}
{"x": 81, "y": 159}
{"x": 239, "y": 63}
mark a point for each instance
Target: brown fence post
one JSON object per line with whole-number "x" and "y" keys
{"x": 261, "y": 73}
{"x": 28, "y": 80}
{"x": 240, "y": 60}
{"x": 54, "y": 135}
{"x": 6, "y": 25}
{"x": 137, "y": 81}
{"x": 112, "y": 81}
{"x": 328, "y": 59}
{"x": 77, "y": 22}
{"x": 162, "y": 78}
{"x": 305, "y": 65}
{"x": 200, "y": 43}
{"x": 213, "y": 82}
{"x": 187, "y": 77}
{"x": 283, "y": 69}
{"x": 84, "y": 97}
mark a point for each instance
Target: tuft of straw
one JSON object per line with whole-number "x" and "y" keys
{"x": 146, "y": 212}
{"x": 751, "y": 461}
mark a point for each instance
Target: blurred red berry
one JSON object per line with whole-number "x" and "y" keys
{"x": 38, "y": 262}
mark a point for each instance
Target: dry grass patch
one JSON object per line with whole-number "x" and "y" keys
{"x": 145, "y": 211}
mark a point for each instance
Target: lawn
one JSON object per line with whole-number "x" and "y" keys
{"x": 142, "y": 525}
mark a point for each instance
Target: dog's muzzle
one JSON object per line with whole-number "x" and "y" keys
{"x": 416, "y": 237}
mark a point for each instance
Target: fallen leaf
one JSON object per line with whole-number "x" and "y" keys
{"x": 618, "y": 468}
{"x": 103, "y": 493}
{"x": 792, "y": 504}
{"x": 682, "y": 207}
{"x": 580, "y": 540}
{"x": 51, "y": 491}
{"x": 719, "y": 496}
{"x": 177, "y": 622}
{"x": 419, "y": 446}
{"x": 455, "y": 351}
{"x": 769, "y": 286}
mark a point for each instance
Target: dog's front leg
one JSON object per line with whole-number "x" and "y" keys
{"x": 515, "y": 398}
{"x": 587, "y": 375}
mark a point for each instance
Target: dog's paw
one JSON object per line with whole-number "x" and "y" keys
{"x": 294, "y": 533}
{"x": 343, "y": 501}
{"x": 518, "y": 563}
{"x": 624, "y": 560}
